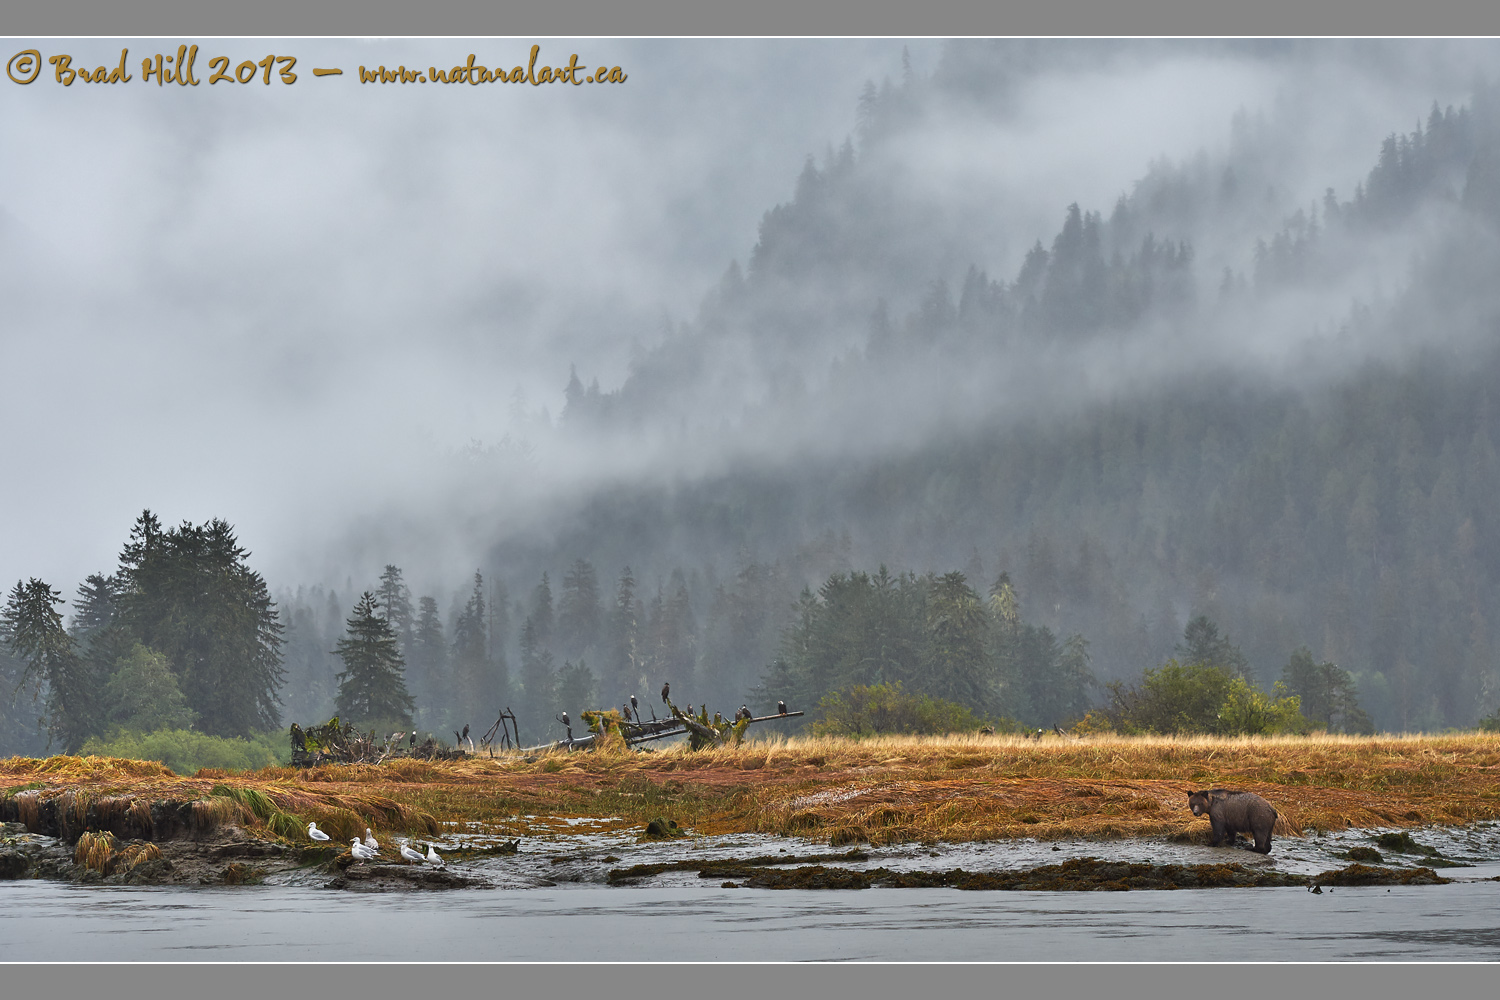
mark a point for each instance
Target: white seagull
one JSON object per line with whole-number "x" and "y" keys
{"x": 370, "y": 840}
{"x": 409, "y": 854}
{"x": 361, "y": 852}
{"x": 315, "y": 833}
{"x": 433, "y": 856}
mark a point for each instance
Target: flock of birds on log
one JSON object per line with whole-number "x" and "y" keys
{"x": 369, "y": 848}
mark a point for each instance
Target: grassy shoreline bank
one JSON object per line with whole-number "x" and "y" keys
{"x": 880, "y": 791}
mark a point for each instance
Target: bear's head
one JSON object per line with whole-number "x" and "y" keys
{"x": 1198, "y": 802}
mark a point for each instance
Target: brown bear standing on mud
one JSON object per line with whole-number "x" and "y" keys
{"x": 1232, "y": 813}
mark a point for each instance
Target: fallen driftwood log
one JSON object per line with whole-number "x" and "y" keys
{"x": 336, "y": 743}
{"x": 702, "y": 731}
{"x": 333, "y": 743}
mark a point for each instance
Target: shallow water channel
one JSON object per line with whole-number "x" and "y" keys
{"x": 677, "y": 916}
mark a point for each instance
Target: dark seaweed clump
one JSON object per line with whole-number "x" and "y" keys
{"x": 1081, "y": 874}
{"x": 1372, "y": 875}
{"x": 626, "y": 876}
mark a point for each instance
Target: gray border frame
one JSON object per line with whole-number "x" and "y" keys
{"x": 776, "y": 18}
{"x": 766, "y": 18}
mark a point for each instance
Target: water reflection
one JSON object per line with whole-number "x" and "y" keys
{"x": 49, "y": 921}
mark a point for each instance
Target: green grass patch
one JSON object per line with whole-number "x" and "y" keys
{"x": 186, "y": 751}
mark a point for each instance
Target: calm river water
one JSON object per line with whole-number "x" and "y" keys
{"x": 42, "y": 921}
{"x": 680, "y": 917}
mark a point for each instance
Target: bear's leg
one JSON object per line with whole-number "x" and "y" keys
{"x": 1218, "y": 831}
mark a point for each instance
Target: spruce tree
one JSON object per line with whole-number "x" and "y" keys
{"x": 577, "y": 688}
{"x": 538, "y": 678}
{"x": 395, "y": 606}
{"x": 372, "y": 688}
{"x": 429, "y": 667}
{"x": 622, "y": 672}
{"x": 32, "y": 629}
{"x": 541, "y": 612}
{"x": 472, "y": 680}
{"x": 1202, "y": 643}
{"x": 957, "y": 667}
{"x": 101, "y": 637}
{"x": 189, "y": 594}
{"x": 578, "y": 612}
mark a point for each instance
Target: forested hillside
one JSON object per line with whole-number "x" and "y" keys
{"x": 1134, "y": 435}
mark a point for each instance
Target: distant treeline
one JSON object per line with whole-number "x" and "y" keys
{"x": 183, "y": 629}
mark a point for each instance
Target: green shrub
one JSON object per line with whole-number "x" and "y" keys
{"x": 185, "y": 750}
{"x": 1199, "y": 698}
{"x": 881, "y": 709}
{"x": 143, "y": 695}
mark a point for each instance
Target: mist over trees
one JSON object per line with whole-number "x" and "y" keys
{"x": 1228, "y": 428}
{"x": 1208, "y": 401}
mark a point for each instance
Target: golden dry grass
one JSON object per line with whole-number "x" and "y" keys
{"x": 955, "y": 788}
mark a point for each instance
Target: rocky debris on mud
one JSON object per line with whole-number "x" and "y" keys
{"x": 226, "y": 856}
{"x": 399, "y": 877}
{"x": 627, "y": 876}
{"x": 1082, "y": 874}
{"x": 1358, "y": 874}
{"x": 221, "y": 858}
{"x": 1401, "y": 842}
{"x": 32, "y": 855}
{"x": 502, "y": 848}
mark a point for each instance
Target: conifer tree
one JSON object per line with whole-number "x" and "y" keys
{"x": 577, "y": 688}
{"x": 395, "y": 606}
{"x": 101, "y": 637}
{"x": 32, "y": 629}
{"x": 578, "y": 612}
{"x": 538, "y": 678}
{"x": 189, "y": 594}
{"x": 472, "y": 680}
{"x": 541, "y": 612}
{"x": 428, "y": 667}
{"x": 622, "y": 675}
{"x": 372, "y": 688}
{"x": 1202, "y": 643}
{"x": 957, "y": 668}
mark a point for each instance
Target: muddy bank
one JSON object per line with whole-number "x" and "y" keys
{"x": 403, "y": 876}
{"x": 226, "y": 856}
{"x": 1075, "y": 875}
{"x": 232, "y": 857}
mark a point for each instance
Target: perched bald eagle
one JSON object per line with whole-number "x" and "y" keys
{"x": 665, "y": 689}
{"x": 781, "y": 708}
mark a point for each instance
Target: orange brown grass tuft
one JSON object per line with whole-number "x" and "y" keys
{"x": 883, "y": 790}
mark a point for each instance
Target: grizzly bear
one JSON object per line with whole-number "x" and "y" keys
{"x": 1232, "y": 813}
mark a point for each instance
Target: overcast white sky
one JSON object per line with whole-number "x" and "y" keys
{"x": 258, "y": 302}
{"x": 216, "y": 292}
